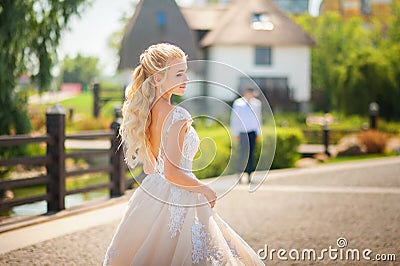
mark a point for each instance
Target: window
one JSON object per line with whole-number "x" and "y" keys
{"x": 276, "y": 88}
{"x": 366, "y": 8}
{"x": 161, "y": 19}
{"x": 263, "y": 56}
{"x": 295, "y": 6}
{"x": 262, "y": 22}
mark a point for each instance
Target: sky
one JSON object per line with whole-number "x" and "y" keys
{"x": 88, "y": 34}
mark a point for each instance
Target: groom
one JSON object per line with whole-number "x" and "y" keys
{"x": 245, "y": 123}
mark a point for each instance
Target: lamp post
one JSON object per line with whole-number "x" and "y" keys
{"x": 373, "y": 115}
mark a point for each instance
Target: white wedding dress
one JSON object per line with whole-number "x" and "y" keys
{"x": 167, "y": 225}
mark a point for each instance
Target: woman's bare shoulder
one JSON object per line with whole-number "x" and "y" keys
{"x": 162, "y": 110}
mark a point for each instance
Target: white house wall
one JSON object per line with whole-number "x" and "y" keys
{"x": 292, "y": 62}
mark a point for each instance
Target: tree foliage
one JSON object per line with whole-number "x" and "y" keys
{"x": 80, "y": 69}
{"x": 29, "y": 35}
{"x": 355, "y": 63}
{"x": 115, "y": 39}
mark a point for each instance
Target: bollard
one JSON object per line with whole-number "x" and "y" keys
{"x": 325, "y": 129}
{"x": 373, "y": 115}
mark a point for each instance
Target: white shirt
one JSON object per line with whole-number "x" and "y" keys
{"x": 246, "y": 116}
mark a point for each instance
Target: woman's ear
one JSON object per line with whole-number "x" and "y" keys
{"x": 157, "y": 78}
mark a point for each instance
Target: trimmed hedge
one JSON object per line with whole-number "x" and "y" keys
{"x": 215, "y": 149}
{"x": 288, "y": 141}
{"x": 217, "y": 155}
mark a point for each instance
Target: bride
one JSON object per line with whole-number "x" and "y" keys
{"x": 170, "y": 218}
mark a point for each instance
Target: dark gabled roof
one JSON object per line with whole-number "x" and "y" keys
{"x": 144, "y": 29}
{"x": 235, "y": 27}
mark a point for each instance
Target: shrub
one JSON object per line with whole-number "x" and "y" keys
{"x": 212, "y": 159}
{"x": 37, "y": 116}
{"x": 390, "y": 127}
{"x": 374, "y": 140}
{"x": 89, "y": 123}
{"x": 288, "y": 141}
{"x": 219, "y": 156}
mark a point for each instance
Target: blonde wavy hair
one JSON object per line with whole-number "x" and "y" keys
{"x": 139, "y": 99}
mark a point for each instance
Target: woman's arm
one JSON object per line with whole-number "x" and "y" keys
{"x": 172, "y": 156}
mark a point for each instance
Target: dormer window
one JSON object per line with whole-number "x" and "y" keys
{"x": 262, "y": 21}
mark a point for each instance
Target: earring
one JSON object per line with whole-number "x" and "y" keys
{"x": 160, "y": 90}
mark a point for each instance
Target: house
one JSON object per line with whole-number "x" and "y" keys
{"x": 155, "y": 21}
{"x": 366, "y": 8}
{"x": 250, "y": 38}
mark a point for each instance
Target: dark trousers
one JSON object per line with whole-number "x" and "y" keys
{"x": 247, "y": 143}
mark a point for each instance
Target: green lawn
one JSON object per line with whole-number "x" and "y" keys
{"x": 83, "y": 119}
{"x": 82, "y": 104}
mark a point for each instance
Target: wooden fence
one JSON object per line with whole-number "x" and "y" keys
{"x": 54, "y": 161}
{"x": 101, "y": 96}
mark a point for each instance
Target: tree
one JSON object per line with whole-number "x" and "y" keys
{"x": 336, "y": 40}
{"x": 391, "y": 51}
{"x": 355, "y": 63}
{"x": 115, "y": 39}
{"x": 80, "y": 69}
{"x": 29, "y": 35}
{"x": 371, "y": 73}
{"x": 364, "y": 78}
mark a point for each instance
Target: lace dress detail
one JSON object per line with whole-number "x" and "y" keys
{"x": 199, "y": 242}
{"x": 190, "y": 146}
{"x": 176, "y": 212}
{"x": 202, "y": 248}
{"x": 191, "y": 142}
{"x": 178, "y": 114}
{"x": 233, "y": 249}
{"x": 189, "y": 149}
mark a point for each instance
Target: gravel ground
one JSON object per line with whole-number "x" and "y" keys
{"x": 277, "y": 219}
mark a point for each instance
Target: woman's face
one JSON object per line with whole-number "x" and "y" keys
{"x": 176, "y": 78}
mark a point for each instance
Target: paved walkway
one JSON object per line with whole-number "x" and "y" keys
{"x": 295, "y": 209}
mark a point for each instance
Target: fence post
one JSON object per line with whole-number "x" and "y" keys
{"x": 55, "y": 125}
{"x": 117, "y": 175}
{"x": 96, "y": 100}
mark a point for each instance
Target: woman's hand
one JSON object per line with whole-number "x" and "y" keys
{"x": 210, "y": 195}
